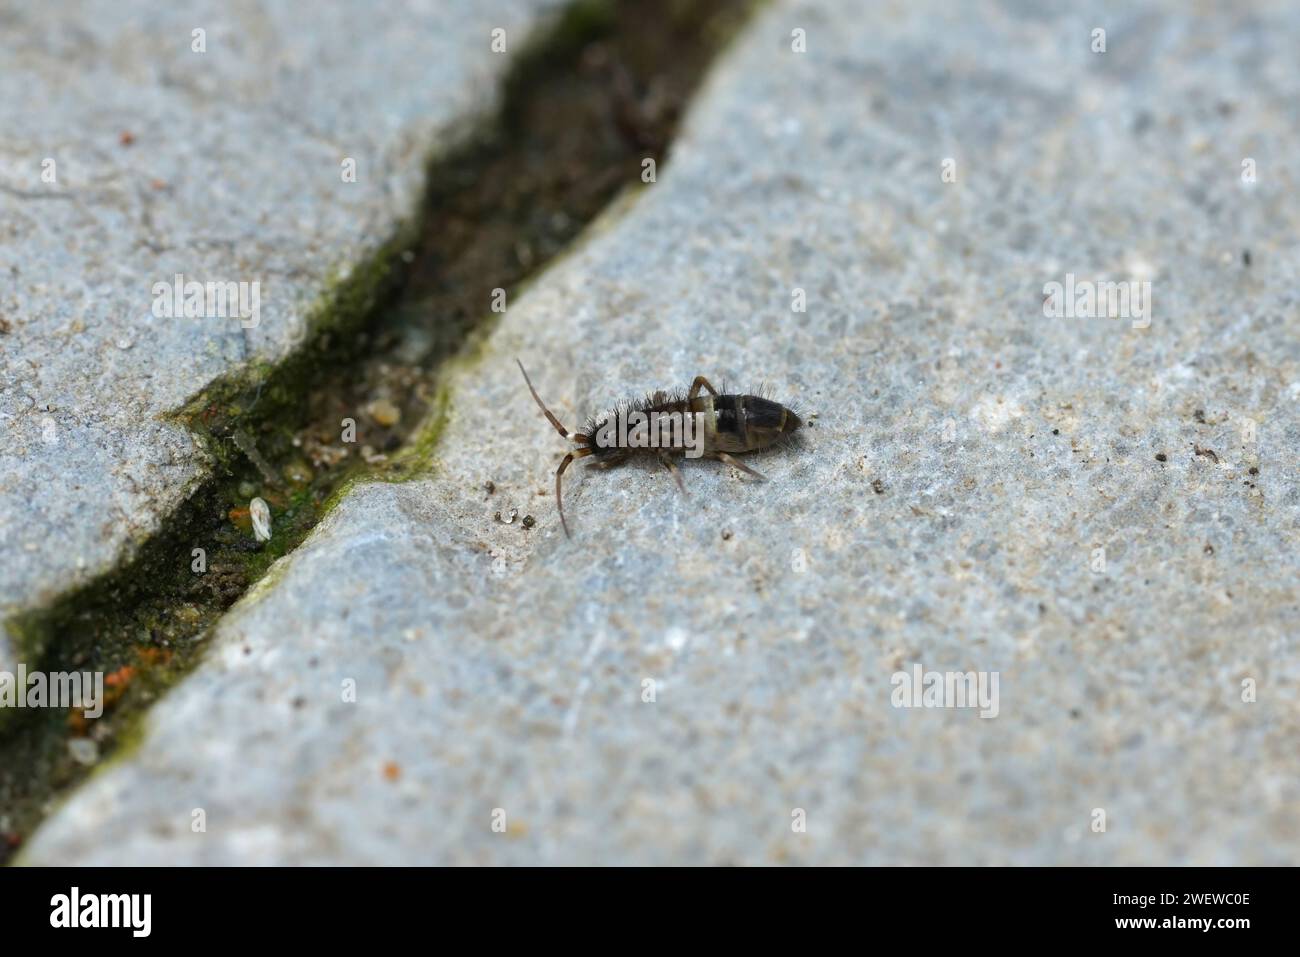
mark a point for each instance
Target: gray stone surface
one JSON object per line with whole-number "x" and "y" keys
{"x": 968, "y": 458}
{"x": 221, "y": 165}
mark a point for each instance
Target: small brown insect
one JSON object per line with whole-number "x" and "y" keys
{"x": 669, "y": 425}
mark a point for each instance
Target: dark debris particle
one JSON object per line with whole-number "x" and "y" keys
{"x": 1056, "y": 431}
{"x": 1207, "y": 453}
{"x": 1245, "y": 258}
{"x": 878, "y": 486}
{"x": 1254, "y": 470}
{"x": 5, "y": 327}
{"x": 1161, "y": 457}
{"x": 529, "y": 521}
{"x": 726, "y": 534}
{"x": 1199, "y": 416}
{"x": 1209, "y": 549}
{"x": 489, "y": 487}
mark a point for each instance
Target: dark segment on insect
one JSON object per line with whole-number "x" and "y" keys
{"x": 719, "y": 426}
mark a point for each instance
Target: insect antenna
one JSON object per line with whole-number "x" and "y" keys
{"x": 575, "y": 454}
{"x": 542, "y": 405}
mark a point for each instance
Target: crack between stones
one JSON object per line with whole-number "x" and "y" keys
{"x": 599, "y": 91}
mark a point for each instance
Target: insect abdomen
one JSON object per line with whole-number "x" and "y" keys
{"x": 746, "y": 423}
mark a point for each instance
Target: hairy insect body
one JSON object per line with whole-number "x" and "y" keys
{"x": 693, "y": 427}
{"x": 700, "y": 422}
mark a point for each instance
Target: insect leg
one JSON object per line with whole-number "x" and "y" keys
{"x": 737, "y": 464}
{"x": 671, "y": 466}
{"x": 701, "y": 383}
{"x": 559, "y": 502}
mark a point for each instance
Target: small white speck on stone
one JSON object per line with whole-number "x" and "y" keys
{"x": 124, "y": 343}
{"x": 1140, "y": 270}
{"x": 995, "y": 413}
{"x": 260, "y": 512}
{"x": 675, "y": 639}
{"x": 83, "y": 750}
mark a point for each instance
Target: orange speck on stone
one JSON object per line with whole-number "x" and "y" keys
{"x": 153, "y": 656}
{"x": 392, "y": 770}
{"x": 127, "y": 138}
{"x": 120, "y": 678}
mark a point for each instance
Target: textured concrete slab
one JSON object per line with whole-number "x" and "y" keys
{"x": 137, "y": 149}
{"x": 1102, "y": 511}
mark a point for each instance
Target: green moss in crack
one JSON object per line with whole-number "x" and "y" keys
{"x": 415, "y": 459}
{"x": 260, "y": 391}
